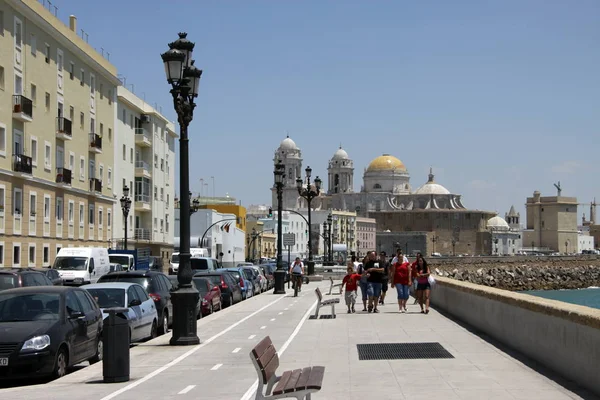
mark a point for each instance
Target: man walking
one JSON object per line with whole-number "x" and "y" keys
{"x": 384, "y": 278}
{"x": 375, "y": 274}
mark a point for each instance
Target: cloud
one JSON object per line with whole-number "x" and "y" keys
{"x": 567, "y": 167}
{"x": 481, "y": 184}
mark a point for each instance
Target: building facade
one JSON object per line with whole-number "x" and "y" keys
{"x": 291, "y": 223}
{"x": 366, "y": 229}
{"x": 144, "y": 149}
{"x": 505, "y": 239}
{"x": 56, "y": 137}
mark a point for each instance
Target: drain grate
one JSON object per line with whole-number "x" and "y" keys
{"x": 326, "y": 316}
{"x": 401, "y": 351}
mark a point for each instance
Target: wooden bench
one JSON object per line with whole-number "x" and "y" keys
{"x": 337, "y": 285}
{"x": 328, "y": 302}
{"x": 299, "y": 383}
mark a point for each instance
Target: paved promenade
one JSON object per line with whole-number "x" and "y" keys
{"x": 220, "y": 367}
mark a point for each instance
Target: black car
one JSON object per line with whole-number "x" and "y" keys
{"x": 158, "y": 287}
{"x": 46, "y": 329}
{"x": 231, "y": 292}
{"x": 51, "y": 274}
{"x": 22, "y": 277}
{"x": 175, "y": 283}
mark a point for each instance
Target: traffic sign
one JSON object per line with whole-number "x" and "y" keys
{"x": 289, "y": 239}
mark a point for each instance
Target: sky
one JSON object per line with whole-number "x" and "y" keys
{"x": 501, "y": 98}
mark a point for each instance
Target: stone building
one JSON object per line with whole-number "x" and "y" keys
{"x": 505, "y": 239}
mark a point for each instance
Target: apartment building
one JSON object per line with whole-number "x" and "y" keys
{"x": 57, "y": 112}
{"x": 144, "y": 149}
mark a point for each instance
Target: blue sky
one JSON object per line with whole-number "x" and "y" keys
{"x": 501, "y": 97}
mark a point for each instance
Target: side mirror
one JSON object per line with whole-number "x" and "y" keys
{"x": 91, "y": 269}
{"x": 76, "y": 315}
{"x": 135, "y": 302}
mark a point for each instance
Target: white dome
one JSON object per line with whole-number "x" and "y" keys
{"x": 288, "y": 144}
{"x": 497, "y": 222}
{"x": 340, "y": 154}
{"x": 432, "y": 188}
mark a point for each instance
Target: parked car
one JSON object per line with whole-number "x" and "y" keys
{"x": 158, "y": 287}
{"x": 46, "y": 330}
{"x": 252, "y": 275}
{"x": 204, "y": 264}
{"x": 246, "y": 284}
{"x": 115, "y": 267}
{"x": 264, "y": 282}
{"x": 231, "y": 292}
{"x": 17, "y": 277}
{"x": 175, "y": 283}
{"x": 141, "y": 311}
{"x": 81, "y": 265}
{"x": 210, "y": 295}
{"x": 268, "y": 273}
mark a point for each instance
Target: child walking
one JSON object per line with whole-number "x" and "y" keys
{"x": 350, "y": 281}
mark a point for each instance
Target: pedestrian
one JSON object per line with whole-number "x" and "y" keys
{"x": 401, "y": 279}
{"x": 374, "y": 278}
{"x": 352, "y": 263}
{"x": 413, "y": 274}
{"x": 364, "y": 284}
{"x": 296, "y": 272}
{"x": 350, "y": 282}
{"x": 385, "y": 277}
{"x": 423, "y": 286}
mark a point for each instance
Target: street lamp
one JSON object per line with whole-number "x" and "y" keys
{"x": 308, "y": 193}
{"x": 254, "y": 236}
{"x": 125, "y": 206}
{"x": 325, "y": 243}
{"x": 433, "y": 240}
{"x": 453, "y": 247}
{"x": 279, "y": 174}
{"x": 184, "y": 79}
{"x": 357, "y": 249}
{"x": 195, "y": 205}
{"x": 329, "y": 240}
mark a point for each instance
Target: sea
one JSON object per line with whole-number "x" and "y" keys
{"x": 589, "y": 297}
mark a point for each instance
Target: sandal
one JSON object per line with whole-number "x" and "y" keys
{"x": 426, "y": 311}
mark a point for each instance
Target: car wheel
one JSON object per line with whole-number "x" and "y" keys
{"x": 61, "y": 363}
{"x": 211, "y": 309}
{"x": 231, "y": 299}
{"x": 165, "y": 324}
{"x": 99, "y": 351}
{"x": 153, "y": 330}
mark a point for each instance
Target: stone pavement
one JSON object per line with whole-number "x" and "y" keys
{"x": 220, "y": 367}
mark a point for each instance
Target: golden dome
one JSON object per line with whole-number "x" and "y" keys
{"x": 386, "y": 162}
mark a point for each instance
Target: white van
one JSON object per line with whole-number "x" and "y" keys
{"x": 194, "y": 252}
{"x": 81, "y": 265}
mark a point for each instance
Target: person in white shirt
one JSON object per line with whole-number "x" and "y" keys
{"x": 399, "y": 256}
{"x": 297, "y": 270}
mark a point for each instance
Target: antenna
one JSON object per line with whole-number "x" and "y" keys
{"x": 558, "y": 188}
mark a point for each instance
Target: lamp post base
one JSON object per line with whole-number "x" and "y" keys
{"x": 311, "y": 268}
{"x": 279, "y": 281}
{"x": 185, "y": 330}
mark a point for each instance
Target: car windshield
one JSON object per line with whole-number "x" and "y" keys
{"x": 29, "y": 307}
{"x": 8, "y": 281}
{"x": 71, "y": 263}
{"x": 215, "y": 279}
{"x": 175, "y": 258}
{"x": 123, "y": 260}
{"x": 199, "y": 263}
{"x": 108, "y": 298}
{"x": 140, "y": 280}
{"x": 201, "y": 286}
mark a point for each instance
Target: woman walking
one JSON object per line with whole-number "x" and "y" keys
{"x": 364, "y": 285}
{"x": 401, "y": 279}
{"x": 413, "y": 274}
{"x": 423, "y": 286}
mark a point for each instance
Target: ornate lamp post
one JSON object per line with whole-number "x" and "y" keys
{"x": 329, "y": 241}
{"x": 357, "y": 249}
{"x": 125, "y": 206}
{"x": 279, "y": 174}
{"x": 184, "y": 79}
{"x": 326, "y": 243}
{"x": 254, "y": 236}
{"x": 195, "y": 205}
{"x": 309, "y": 194}
{"x": 453, "y": 247}
{"x": 433, "y": 240}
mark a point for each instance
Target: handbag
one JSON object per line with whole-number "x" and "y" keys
{"x": 431, "y": 281}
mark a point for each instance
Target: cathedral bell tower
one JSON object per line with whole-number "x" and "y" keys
{"x": 340, "y": 173}
{"x": 291, "y": 157}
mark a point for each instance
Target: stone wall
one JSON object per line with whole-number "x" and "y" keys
{"x": 523, "y": 273}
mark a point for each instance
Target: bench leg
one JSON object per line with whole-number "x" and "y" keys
{"x": 330, "y": 289}
{"x": 317, "y": 310}
{"x": 340, "y": 287}
{"x": 333, "y": 309}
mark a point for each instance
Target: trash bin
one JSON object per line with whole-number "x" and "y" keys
{"x": 311, "y": 268}
{"x": 115, "y": 363}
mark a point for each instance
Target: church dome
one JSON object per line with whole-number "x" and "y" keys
{"x": 497, "y": 223}
{"x": 386, "y": 162}
{"x": 430, "y": 187}
{"x": 288, "y": 144}
{"x": 340, "y": 154}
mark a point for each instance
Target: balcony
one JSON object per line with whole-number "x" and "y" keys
{"x": 95, "y": 143}
{"x": 142, "y": 234}
{"x": 63, "y": 177}
{"x": 143, "y": 137}
{"x": 143, "y": 202}
{"x": 143, "y": 169}
{"x": 64, "y": 128}
{"x": 22, "y": 164}
{"x": 22, "y": 108}
{"x": 95, "y": 185}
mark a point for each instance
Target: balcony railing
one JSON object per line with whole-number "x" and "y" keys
{"x": 22, "y": 105}
{"x": 63, "y": 176}
{"x": 144, "y": 198}
{"x": 142, "y": 234}
{"x": 95, "y": 141}
{"x": 95, "y": 185}
{"x": 22, "y": 163}
{"x": 64, "y": 126}
{"x": 143, "y": 135}
{"x": 142, "y": 164}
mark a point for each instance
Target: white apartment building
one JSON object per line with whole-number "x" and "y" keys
{"x": 144, "y": 149}
{"x": 292, "y": 223}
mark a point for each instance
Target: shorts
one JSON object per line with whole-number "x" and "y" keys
{"x": 350, "y": 297}
{"x": 363, "y": 289}
{"x": 374, "y": 289}
{"x": 384, "y": 286}
{"x": 402, "y": 291}
{"x": 423, "y": 286}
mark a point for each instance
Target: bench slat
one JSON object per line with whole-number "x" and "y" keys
{"x": 269, "y": 370}
{"x": 261, "y": 347}
{"x": 303, "y": 380}
{"x": 292, "y": 385}
{"x": 282, "y": 383}
{"x": 316, "y": 378}
{"x": 266, "y": 357}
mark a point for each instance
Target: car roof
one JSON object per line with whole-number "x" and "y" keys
{"x": 16, "y": 271}
{"x": 207, "y": 273}
{"x": 111, "y": 285}
{"x": 40, "y": 289}
{"x": 139, "y": 273}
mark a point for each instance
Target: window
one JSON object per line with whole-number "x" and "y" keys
{"x": 46, "y": 208}
{"x": 162, "y": 222}
{"x": 32, "y": 255}
{"x": 167, "y": 223}
{"x": 155, "y": 223}
{"x": 18, "y": 33}
{"x": 82, "y": 168}
{"x": 101, "y": 172}
{"x": 32, "y": 204}
{"x": 71, "y": 70}
{"x": 81, "y": 120}
{"x": 81, "y": 77}
{"x": 162, "y": 192}
{"x": 2, "y": 78}
{"x": 71, "y": 212}
{"x": 91, "y": 215}
{"x": 59, "y": 61}
{"x": 101, "y": 128}
{"x": 101, "y": 91}
{"x": 100, "y": 219}
{"x": 109, "y": 134}
{"x": 33, "y": 94}
{"x": 92, "y": 85}
{"x": 92, "y": 125}
{"x": 46, "y": 255}
{"x": 71, "y": 113}
{"x": 47, "y": 155}
{"x": 110, "y": 95}
{"x": 34, "y": 151}
{"x": 47, "y": 53}
{"x": 81, "y": 214}
{"x": 124, "y": 152}
{"x": 131, "y": 157}
{"x": 18, "y": 202}
{"x": 71, "y": 160}
{"x": 108, "y": 219}
{"x": 47, "y": 101}
{"x": 162, "y": 164}
{"x": 17, "y": 255}
{"x": 1, "y": 34}
{"x": 155, "y": 161}
{"x": 124, "y": 116}
{"x": 59, "y": 209}
{"x": 33, "y": 44}
{"x": 167, "y": 166}
{"x": 131, "y": 121}
{"x": 109, "y": 178}
{"x": 155, "y": 193}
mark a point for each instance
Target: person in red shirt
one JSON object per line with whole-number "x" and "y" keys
{"x": 414, "y": 274}
{"x": 401, "y": 280}
{"x": 350, "y": 281}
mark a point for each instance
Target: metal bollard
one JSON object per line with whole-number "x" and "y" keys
{"x": 115, "y": 363}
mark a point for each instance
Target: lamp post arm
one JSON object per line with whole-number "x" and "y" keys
{"x": 207, "y": 229}
{"x": 296, "y": 212}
